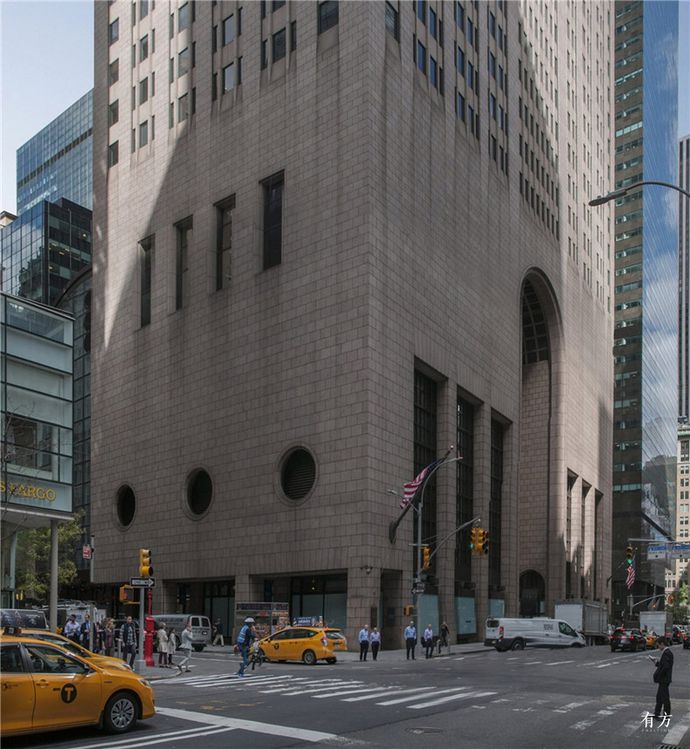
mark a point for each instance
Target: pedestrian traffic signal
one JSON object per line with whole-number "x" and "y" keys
{"x": 629, "y": 555}
{"x": 474, "y": 538}
{"x": 408, "y": 610}
{"x": 145, "y": 566}
{"x": 426, "y": 557}
{"x": 126, "y": 594}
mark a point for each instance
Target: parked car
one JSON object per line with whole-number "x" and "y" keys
{"x": 73, "y": 647}
{"x": 677, "y": 634}
{"x": 504, "y": 633}
{"x": 201, "y": 627}
{"x": 46, "y": 688}
{"x": 306, "y": 644}
{"x": 628, "y": 639}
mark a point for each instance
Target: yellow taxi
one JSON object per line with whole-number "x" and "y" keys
{"x": 306, "y": 644}
{"x": 74, "y": 647}
{"x": 337, "y": 638}
{"x": 45, "y": 688}
{"x": 651, "y": 638}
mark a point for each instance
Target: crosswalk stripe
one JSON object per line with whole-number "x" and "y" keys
{"x": 409, "y": 698}
{"x": 340, "y": 693}
{"x": 322, "y": 688}
{"x": 283, "y": 687}
{"x": 532, "y": 663}
{"x": 373, "y": 694}
{"x": 558, "y": 663}
{"x": 571, "y": 706}
{"x": 442, "y": 700}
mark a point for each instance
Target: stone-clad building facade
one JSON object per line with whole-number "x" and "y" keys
{"x": 331, "y": 240}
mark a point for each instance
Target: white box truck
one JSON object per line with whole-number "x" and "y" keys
{"x": 588, "y": 617}
{"x": 659, "y": 622}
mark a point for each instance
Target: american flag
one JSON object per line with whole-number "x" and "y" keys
{"x": 630, "y": 579}
{"x": 411, "y": 487}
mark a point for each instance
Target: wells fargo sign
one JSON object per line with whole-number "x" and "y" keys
{"x": 29, "y": 491}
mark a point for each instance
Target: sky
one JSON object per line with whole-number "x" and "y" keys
{"x": 46, "y": 64}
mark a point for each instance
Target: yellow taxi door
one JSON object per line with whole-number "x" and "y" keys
{"x": 16, "y": 691}
{"x": 67, "y": 691}
{"x": 278, "y": 648}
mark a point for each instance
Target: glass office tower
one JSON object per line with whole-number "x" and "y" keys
{"x": 56, "y": 162}
{"x": 645, "y": 346}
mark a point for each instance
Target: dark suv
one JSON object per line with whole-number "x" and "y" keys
{"x": 628, "y": 639}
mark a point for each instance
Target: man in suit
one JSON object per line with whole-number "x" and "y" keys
{"x": 662, "y": 677}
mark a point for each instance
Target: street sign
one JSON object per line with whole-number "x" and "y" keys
{"x": 417, "y": 589}
{"x": 142, "y": 582}
{"x": 679, "y": 550}
{"x": 86, "y": 551}
{"x": 656, "y": 551}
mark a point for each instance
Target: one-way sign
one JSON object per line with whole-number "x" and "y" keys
{"x": 142, "y": 582}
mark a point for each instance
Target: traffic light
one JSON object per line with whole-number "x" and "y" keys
{"x": 482, "y": 546}
{"x": 126, "y": 594}
{"x": 474, "y": 538}
{"x": 426, "y": 557}
{"x": 145, "y": 567}
{"x": 629, "y": 555}
{"x": 408, "y": 610}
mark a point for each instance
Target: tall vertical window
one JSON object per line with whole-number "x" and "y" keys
{"x": 224, "y": 211}
{"x": 293, "y": 36}
{"x": 143, "y": 133}
{"x": 228, "y": 77}
{"x": 228, "y": 30}
{"x": 114, "y": 31}
{"x": 392, "y": 21}
{"x": 421, "y": 57}
{"x": 183, "y": 108}
{"x": 464, "y": 502}
{"x": 424, "y": 446}
{"x": 184, "y": 16}
{"x": 421, "y": 10}
{"x": 432, "y": 23}
{"x": 495, "y": 504}
{"x": 278, "y": 50}
{"x": 328, "y": 15}
{"x": 183, "y": 62}
{"x": 113, "y": 72}
{"x": 143, "y": 48}
{"x": 113, "y": 153}
{"x": 143, "y": 8}
{"x": 113, "y": 112}
{"x": 273, "y": 219}
{"x": 183, "y": 231}
{"x": 143, "y": 90}
{"x": 145, "y": 266}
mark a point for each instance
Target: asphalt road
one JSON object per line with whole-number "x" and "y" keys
{"x": 517, "y": 700}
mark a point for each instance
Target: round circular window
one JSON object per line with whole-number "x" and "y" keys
{"x": 199, "y": 492}
{"x": 126, "y": 505}
{"x": 298, "y": 474}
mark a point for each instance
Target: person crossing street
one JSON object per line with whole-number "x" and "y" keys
{"x": 244, "y": 642}
{"x": 363, "y": 642}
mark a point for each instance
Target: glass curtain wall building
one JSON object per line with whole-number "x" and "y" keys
{"x": 56, "y": 162}
{"x": 645, "y": 345}
{"x": 683, "y": 279}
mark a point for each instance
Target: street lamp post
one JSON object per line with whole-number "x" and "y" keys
{"x": 623, "y": 191}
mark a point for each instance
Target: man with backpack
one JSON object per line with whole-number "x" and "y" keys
{"x": 244, "y": 642}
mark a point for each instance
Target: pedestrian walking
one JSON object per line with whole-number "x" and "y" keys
{"x": 428, "y": 641}
{"x": 162, "y": 646}
{"x": 108, "y": 638}
{"x": 375, "y": 642}
{"x": 444, "y": 638}
{"x": 244, "y": 642}
{"x": 363, "y": 642}
{"x": 662, "y": 677}
{"x": 173, "y": 642}
{"x": 186, "y": 647}
{"x": 218, "y": 633}
{"x": 128, "y": 635}
{"x": 410, "y": 639}
{"x": 71, "y": 629}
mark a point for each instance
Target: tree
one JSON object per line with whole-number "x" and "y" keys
{"x": 33, "y": 558}
{"x": 679, "y": 607}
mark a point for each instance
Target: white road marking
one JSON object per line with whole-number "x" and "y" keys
{"x": 358, "y": 690}
{"x": 297, "y": 734}
{"x": 630, "y": 728}
{"x": 285, "y": 687}
{"x": 571, "y": 706}
{"x": 416, "y": 696}
{"x": 559, "y": 663}
{"x": 374, "y": 693}
{"x": 604, "y": 665}
{"x": 322, "y": 688}
{"x": 160, "y": 738}
{"x": 479, "y": 707}
{"x": 532, "y": 663}
{"x": 675, "y": 735}
{"x": 441, "y": 700}
{"x": 583, "y": 725}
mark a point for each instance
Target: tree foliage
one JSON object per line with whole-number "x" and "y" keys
{"x": 33, "y": 558}
{"x": 679, "y": 607}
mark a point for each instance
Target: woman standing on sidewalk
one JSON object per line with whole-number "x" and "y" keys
{"x": 172, "y": 645}
{"x": 162, "y": 647}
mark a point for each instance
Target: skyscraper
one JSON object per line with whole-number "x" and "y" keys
{"x": 57, "y": 162}
{"x": 645, "y": 312}
{"x": 683, "y": 279}
{"x": 334, "y": 239}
